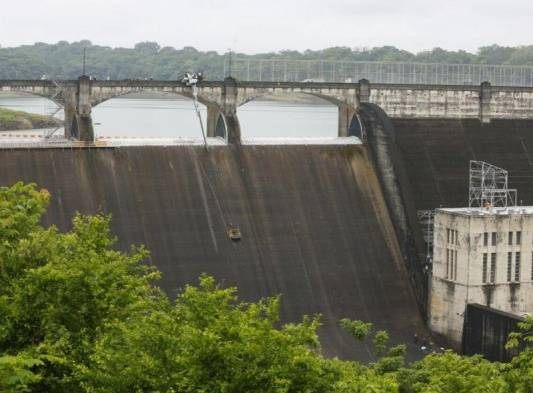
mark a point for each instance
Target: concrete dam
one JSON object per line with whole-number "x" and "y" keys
{"x": 436, "y": 154}
{"x": 332, "y": 228}
{"x": 314, "y": 224}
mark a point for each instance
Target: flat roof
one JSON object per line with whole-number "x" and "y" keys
{"x": 483, "y": 211}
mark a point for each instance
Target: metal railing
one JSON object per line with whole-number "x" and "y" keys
{"x": 378, "y": 72}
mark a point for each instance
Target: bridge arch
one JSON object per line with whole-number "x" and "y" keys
{"x": 36, "y": 103}
{"x": 221, "y": 127}
{"x": 165, "y": 114}
{"x": 55, "y": 97}
{"x": 296, "y": 115}
{"x": 288, "y": 94}
{"x": 356, "y": 127}
{"x": 98, "y": 98}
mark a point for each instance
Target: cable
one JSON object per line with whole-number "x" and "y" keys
{"x": 195, "y": 100}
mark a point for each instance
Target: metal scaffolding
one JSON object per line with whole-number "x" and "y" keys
{"x": 425, "y": 219}
{"x": 488, "y": 186}
{"x": 50, "y": 132}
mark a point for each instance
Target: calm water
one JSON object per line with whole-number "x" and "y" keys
{"x": 169, "y": 118}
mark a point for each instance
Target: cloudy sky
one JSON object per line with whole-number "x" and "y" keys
{"x": 257, "y": 26}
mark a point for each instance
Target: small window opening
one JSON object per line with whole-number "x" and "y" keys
{"x": 509, "y": 265}
{"x": 455, "y": 268}
{"x": 484, "y": 276}
{"x": 493, "y": 267}
{"x": 517, "y": 267}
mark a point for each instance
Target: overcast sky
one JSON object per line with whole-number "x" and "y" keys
{"x": 269, "y": 25}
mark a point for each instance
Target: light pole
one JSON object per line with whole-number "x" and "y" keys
{"x": 229, "y": 65}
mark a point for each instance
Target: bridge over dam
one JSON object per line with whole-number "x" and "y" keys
{"x": 331, "y": 227}
{"x": 222, "y": 99}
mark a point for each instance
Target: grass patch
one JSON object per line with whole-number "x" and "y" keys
{"x": 19, "y": 120}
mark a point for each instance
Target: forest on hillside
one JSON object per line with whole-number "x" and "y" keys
{"x": 63, "y": 60}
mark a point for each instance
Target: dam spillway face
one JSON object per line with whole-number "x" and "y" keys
{"x": 307, "y": 222}
{"x": 436, "y": 153}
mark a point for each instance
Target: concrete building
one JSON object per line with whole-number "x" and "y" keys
{"x": 480, "y": 256}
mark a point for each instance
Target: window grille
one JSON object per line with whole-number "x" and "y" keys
{"x": 493, "y": 267}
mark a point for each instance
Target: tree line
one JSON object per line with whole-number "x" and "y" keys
{"x": 63, "y": 60}
{"x": 76, "y": 315}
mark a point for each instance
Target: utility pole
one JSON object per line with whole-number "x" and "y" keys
{"x": 229, "y": 63}
{"x": 83, "y": 73}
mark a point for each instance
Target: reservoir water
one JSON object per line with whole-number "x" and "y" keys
{"x": 173, "y": 118}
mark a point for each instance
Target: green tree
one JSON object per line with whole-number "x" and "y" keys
{"x": 148, "y": 60}
{"x": 519, "y": 372}
{"x": 449, "y": 372}
{"x": 58, "y": 290}
{"x": 210, "y": 342}
{"x": 389, "y": 359}
{"x": 78, "y": 316}
{"x": 16, "y": 373}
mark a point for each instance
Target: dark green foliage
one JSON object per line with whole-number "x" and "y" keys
{"x": 78, "y": 316}
{"x": 63, "y": 60}
{"x": 388, "y": 359}
{"x": 519, "y": 373}
{"x": 357, "y": 329}
{"x": 57, "y": 291}
{"x": 448, "y": 372}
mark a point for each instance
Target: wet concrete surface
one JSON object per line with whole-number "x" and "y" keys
{"x": 314, "y": 226}
{"x": 436, "y": 153}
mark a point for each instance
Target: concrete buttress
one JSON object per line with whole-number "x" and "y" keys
{"x": 346, "y": 114}
{"x": 78, "y": 108}
{"x": 229, "y": 110}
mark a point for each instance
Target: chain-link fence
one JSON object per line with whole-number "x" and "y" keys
{"x": 375, "y": 72}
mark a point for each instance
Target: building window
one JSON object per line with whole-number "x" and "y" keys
{"x": 451, "y": 236}
{"x": 493, "y": 238}
{"x": 509, "y": 265}
{"x": 447, "y": 263}
{"x": 517, "y": 267}
{"x": 484, "y": 275}
{"x": 518, "y": 237}
{"x": 493, "y": 267}
{"x": 452, "y": 265}
{"x": 485, "y": 238}
{"x": 510, "y": 238}
{"x": 455, "y": 267}
{"x": 456, "y": 236}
